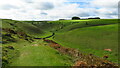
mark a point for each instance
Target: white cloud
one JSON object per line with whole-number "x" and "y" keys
{"x": 105, "y": 3}
{"x": 44, "y": 5}
{"x": 55, "y": 9}
{"x": 28, "y": 1}
{"x": 105, "y": 11}
{"x": 105, "y": 8}
{"x": 8, "y": 7}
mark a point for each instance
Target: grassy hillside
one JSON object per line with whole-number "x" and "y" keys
{"x": 67, "y": 25}
{"x": 92, "y": 40}
{"x": 20, "y": 47}
{"x": 26, "y": 27}
{"x": 88, "y": 23}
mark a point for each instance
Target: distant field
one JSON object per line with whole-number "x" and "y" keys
{"x": 87, "y": 23}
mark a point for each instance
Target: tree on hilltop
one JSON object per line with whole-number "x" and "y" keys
{"x": 75, "y": 18}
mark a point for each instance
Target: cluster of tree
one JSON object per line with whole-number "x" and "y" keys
{"x": 94, "y": 18}
{"x": 77, "y": 18}
{"x": 61, "y": 19}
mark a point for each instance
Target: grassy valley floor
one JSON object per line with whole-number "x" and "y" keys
{"x": 37, "y": 53}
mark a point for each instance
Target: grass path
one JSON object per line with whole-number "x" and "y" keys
{"x": 40, "y": 55}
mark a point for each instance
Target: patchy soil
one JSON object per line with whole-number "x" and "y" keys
{"x": 81, "y": 59}
{"x": 35, "y": 45}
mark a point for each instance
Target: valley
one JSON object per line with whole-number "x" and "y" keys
{"x": 56, "y": 43}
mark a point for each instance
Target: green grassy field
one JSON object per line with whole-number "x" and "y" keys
{"x": 89, "y": 36}
{"x": 35, "y": 54}
{"x": 82, "y": 23}
{"x": 38, "y": 54}
{"x": 92, "y": 40}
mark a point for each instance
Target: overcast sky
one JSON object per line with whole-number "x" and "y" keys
{"x": 56, "y": 9}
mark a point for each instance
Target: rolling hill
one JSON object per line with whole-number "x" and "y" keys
{"x": 24, "y": 41}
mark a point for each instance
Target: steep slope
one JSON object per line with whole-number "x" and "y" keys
{"x": 26, "y": 27}
{"x": 92, "y": 40}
